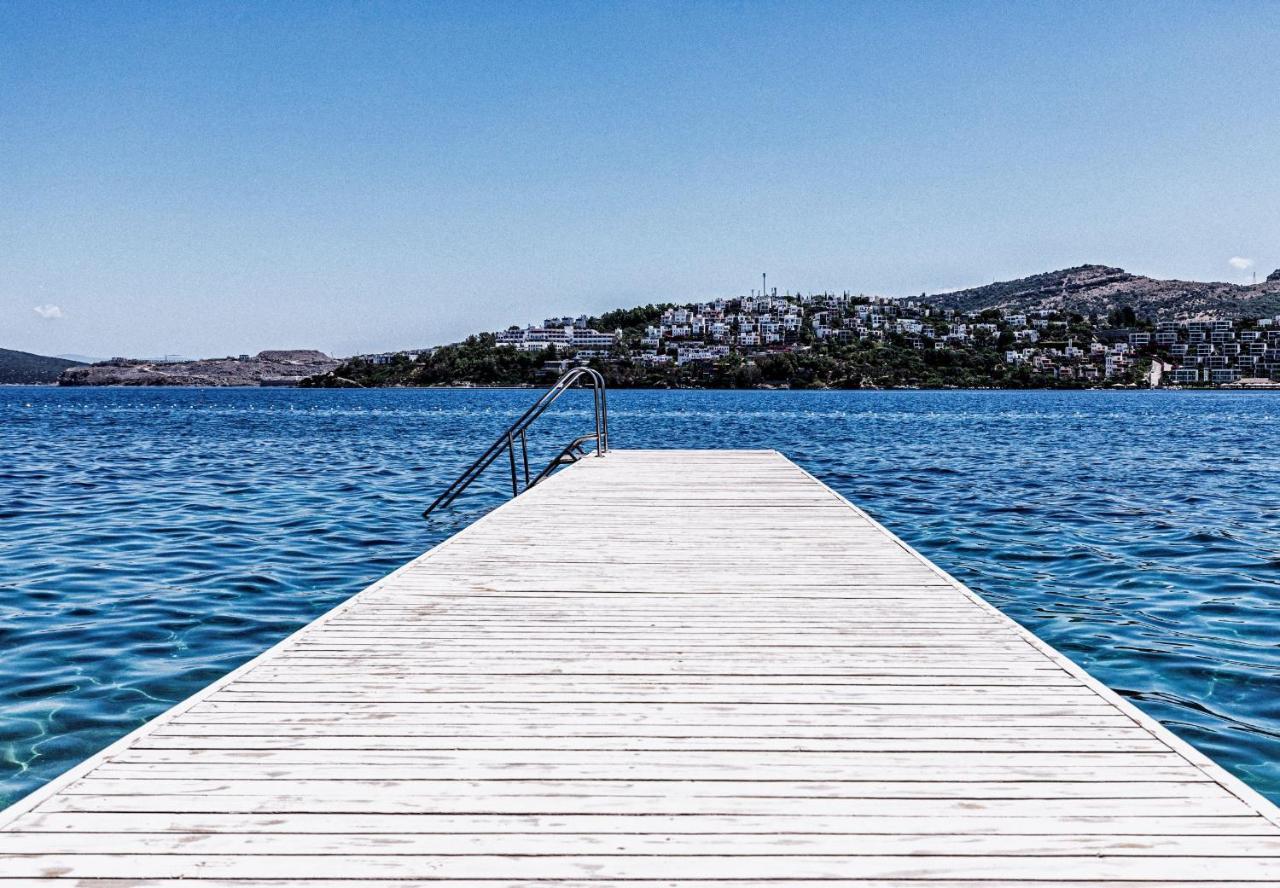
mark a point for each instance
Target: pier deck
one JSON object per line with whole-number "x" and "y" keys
{"x": 686, "y": 668}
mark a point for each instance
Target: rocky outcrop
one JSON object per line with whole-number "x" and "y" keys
{"x": 267, "y": 368}
{"x": 1099, "y": 289}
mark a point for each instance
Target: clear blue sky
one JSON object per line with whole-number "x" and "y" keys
{"x": 215, "y": 178}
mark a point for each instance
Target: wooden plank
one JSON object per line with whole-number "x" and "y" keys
{"x": 611, "y": 844}
{"x": 319, "y": 740}
{"x": 729, "y": 678}
{"x": 660, "y": 802}
{"x": 959, "y": 824}
{"x": 869, "y": 865}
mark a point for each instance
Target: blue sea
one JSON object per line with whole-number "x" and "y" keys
{"x": 153, "y": 539}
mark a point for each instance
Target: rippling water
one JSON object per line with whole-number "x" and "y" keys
{"x": 151, "y": 540}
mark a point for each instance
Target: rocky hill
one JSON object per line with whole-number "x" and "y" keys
{"x": 284, "y": 367}
{"x": 1098, "y": 289}
{"x": 24, "y": 368}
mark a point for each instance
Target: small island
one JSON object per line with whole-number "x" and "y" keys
{"x": 267, "y": 368}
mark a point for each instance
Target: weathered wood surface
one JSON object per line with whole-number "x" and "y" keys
{"x": 658, "y": 668}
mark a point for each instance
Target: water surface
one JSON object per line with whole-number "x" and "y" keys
{"x": 153, "y": 539}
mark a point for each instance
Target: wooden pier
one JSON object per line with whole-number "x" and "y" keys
{"x": 692, "y": 668}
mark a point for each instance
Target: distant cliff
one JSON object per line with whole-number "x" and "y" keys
{"x": 1098, "y": 289}
{"x": 284, "y": 367}
{"x": 24, "y": 368}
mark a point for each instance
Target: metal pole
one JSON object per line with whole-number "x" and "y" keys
{"x": 511, "y": 451}
{"x": 604, "y": 413}
{"x": 595, "y": 406}
{"x": 524, "y": 451}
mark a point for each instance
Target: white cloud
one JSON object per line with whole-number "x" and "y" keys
{"x": 48, "y": 312}
{"x": 1240, "y": 263}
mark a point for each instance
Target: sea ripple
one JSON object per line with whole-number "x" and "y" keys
{"x": 151, "y": 540}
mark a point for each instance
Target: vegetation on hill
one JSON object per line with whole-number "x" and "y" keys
{"x": 476, "y": 361}
{"x": 24, "y": 368}
{"x": 818, "y": 364}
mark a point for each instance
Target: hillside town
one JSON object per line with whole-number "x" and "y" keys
{"x": 1085, "y": 326}
{"x": 1042, "y": 345}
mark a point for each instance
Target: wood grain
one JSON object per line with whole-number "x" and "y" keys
{"x": 694, "y": 668}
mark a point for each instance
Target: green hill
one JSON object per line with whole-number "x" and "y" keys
{"x": 24, "y": 368}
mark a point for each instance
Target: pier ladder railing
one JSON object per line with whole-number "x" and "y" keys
{"x": 516, "y": 436}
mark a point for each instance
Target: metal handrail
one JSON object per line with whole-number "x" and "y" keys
{"x": 572, "y": 452}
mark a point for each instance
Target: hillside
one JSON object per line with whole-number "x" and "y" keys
{"x": 1099, "y": 289}
{"x": 24, "y": 368}
{"x": 1086, "y": 326}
